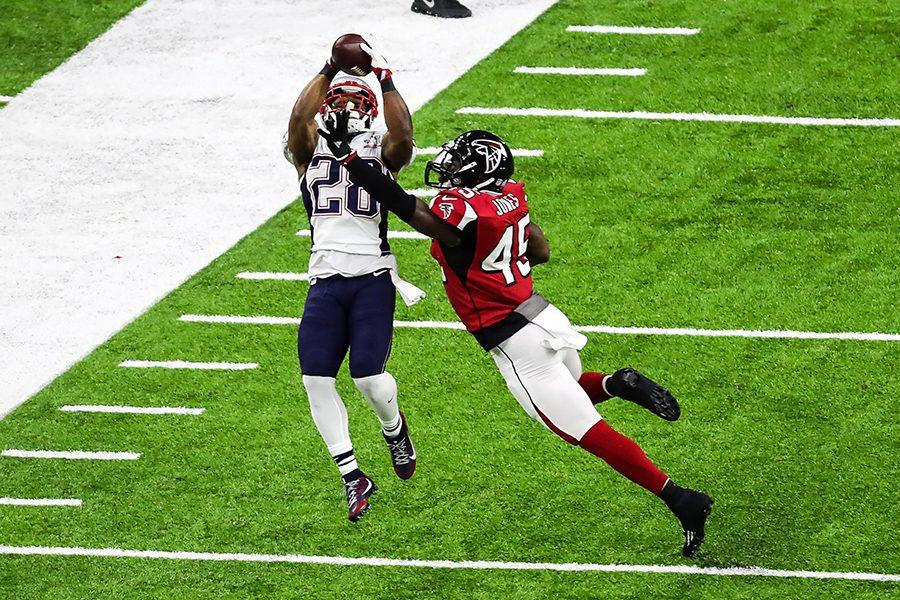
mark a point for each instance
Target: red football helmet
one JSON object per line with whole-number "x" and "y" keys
{"x": 352, "y": 90}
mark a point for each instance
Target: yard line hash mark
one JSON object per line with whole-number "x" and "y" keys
{"x": 71, "y": 455}
{"x": 580, "y": 113}
{"x": 185, "y": 364}
{"x": 633, "y": 30}
{"x": 482, "y": 565}
{"x": 132, "y": 410}
{"x": 267, "y": 276}
{"x": 607, "y": 329}
{"x": 401, "y": 235}
{"x": 40, "y": 502}
{"x": 521, "y": 152}
{"x": 580, "y": 71}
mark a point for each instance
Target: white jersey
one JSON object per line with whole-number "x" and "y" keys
{"x": 349, "y": 229}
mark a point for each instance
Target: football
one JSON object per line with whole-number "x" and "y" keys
{"x": 349, "y": 57}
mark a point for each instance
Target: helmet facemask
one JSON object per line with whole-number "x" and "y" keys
{"x": 354, "y": 97}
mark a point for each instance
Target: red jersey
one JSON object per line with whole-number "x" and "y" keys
{"x": 488, "y": 275}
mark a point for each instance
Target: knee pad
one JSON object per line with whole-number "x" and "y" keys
{"x": 377, "y": 388}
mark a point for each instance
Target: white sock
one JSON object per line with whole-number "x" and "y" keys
{"x": 381, "y": 392}
{"x": 330, "y": 415}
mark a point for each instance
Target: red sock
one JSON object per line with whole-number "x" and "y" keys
{"x": 593, "y": 384}
{"x": 624, "y": 456}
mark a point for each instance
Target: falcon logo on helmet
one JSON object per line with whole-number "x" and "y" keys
{"x": 476, "y": 159}
{"x": 493, "y": 153}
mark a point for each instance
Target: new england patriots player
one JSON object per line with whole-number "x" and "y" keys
{"x": 486, "y": 246}
{"x": 353, "y": 275}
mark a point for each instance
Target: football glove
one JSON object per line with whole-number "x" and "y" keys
{"x": 379, "y": 64}
{"x": 335, "y": 130}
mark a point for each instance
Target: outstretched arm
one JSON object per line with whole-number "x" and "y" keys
{"x": 538, "y": 245}
{"x": 302, "y": 135}
{"x": 398, "y": 145}
{"x": 397, "y": 200}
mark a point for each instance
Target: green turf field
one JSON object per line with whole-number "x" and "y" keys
{"x": 652, "y": 224}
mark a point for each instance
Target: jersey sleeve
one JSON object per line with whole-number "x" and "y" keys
{"x": 453, "y": 209}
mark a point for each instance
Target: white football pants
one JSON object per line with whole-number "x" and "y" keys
{"x": 541, "y": 366}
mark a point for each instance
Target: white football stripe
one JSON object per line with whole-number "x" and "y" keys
{"x": 422, "y": 193}
{"x": 399, "y": 235}
{"x": 40, "y": 502}
{"x": 607, "y": 329}
{"x": 481, "y": 565}
{"x": 633, "y": 30}
{"x": 6, "y": 98}
{"x": 580, "y": 71}
{"x": 71, "y": 455}
{"x": 580, "y": 113}
{"x": 264, "y": 276}
{"x": 132, "y": 410}
{"x": 185, "y": 364}
{"x": 519, "y": 152}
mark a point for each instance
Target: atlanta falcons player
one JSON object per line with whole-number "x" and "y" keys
{"x": 352, "y": 272}
{"x": 486, "y": 246}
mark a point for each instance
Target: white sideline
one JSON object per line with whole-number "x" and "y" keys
{"x": 266, "y": 276}
{"x": 186, "y": 364}
{"x": 71, "y": 455}
{"x": 132, "y": 410}
{"x": 166, "y": 136}
{"x": 520, "y": 152}
{"x": 401, "y": 235}
{"x": 677, "y": 331}
{"x": 580, "y": 113}
{"x": 579, "y": 71}
{"x": 633, "y": 30}
{"x": 6, "y": 98}
{"x": 482, "y": 565}
{"x": 40, "y": 502}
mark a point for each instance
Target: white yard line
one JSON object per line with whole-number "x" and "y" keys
{"x": 185, "y": 364}
{"x": 71, "y": 455}
{"x": 401, "y": 235}
{"x": 77, "y": 267}
{"x": 269, "y": 276}
{"x": 580, "y": 71}
{"x": 481, "y": 565}
{"x": 6, "y": 98}
{"x": 40, "y": 502}
{"x": 677, "y": 331}
{"x": 518, "y": 152}
{"x": 580, "y": 113}
{"x": 132, "y": 410}
{"x": 633, "y": 30}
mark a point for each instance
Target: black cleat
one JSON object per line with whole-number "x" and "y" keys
{"x": 403, "y": 454}
{"x": 629, "y": 384}
{"x": 692, "y": 509}
{"x": 446, "y": 9}
{"x": 358, "y": 493}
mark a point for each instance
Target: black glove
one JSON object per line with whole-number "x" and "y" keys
{"x": 336, "y": 134}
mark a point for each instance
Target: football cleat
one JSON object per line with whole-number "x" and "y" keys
{"x": 632, "y": 386}
{"x": 403, "y": 454}
{"x": 358, "y": 493}
{"x": 692, "y": 509}
{"x": 446, "y": 9}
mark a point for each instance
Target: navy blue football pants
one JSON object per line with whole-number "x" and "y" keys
{"x": 347, "y": 312}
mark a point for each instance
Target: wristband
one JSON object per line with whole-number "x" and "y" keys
{"x": 387, "y": 85}
{"x": 329, "y": 70}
